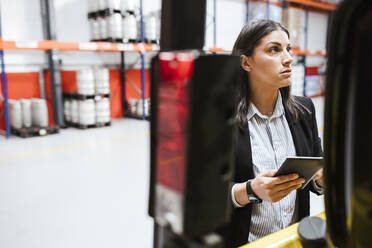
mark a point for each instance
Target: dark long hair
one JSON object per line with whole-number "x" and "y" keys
{"x": 248, "y": 39}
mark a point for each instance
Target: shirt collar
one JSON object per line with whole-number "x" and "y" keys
{"x": 278, "y": 110}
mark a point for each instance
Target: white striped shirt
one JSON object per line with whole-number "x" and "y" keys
{"x": 272, "y": 143}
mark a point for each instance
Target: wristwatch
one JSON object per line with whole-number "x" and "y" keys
{"x": 252, "y": 197}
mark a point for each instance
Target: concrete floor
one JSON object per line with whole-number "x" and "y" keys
{"x": 77, "y": 189}
{"x": 82, "y": 188}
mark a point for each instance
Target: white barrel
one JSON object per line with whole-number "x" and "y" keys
{"x": 74, "y": 111}
{"x": 102, "y": 80}
{"x": 102, "y": 4}
{"x": 130, "y": 6}
{"x": 67, "y": 110}
{"x": 102, "y": 24}
{"x": 297, "y": 79}
{"x": 26, "y": 112}
{"x": 152, "y": 27}
{"x": 133, "y": 104}
{"x": 115, "y": 26}
{"x": 15, "y": 113}
{"x": 87, "y": 113}
{"x": 103, "y": 110}
{"x": 140, "y": 107}
{"x": 94, "y": 29}
{"x": 114, "y": 4}
{"x": 130, "y": 31}
{"x": 39, "y": 111}
{"x": 85, "y": 81}
{"x": 92, "y": 5}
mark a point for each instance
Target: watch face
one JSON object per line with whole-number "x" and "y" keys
{"x": 254, "y": 199}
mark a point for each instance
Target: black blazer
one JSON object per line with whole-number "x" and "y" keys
{"x": 307, "y": 143}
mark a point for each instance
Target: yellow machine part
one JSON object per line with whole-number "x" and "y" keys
{"x": 286, "y": 238}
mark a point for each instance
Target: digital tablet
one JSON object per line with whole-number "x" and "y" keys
{"x": 305, "y": 167}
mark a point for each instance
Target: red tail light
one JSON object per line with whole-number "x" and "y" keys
{"x": 175, "y": 72}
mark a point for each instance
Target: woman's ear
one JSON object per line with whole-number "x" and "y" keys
{"x": 245, "y": 63}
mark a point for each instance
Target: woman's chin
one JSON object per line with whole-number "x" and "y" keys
{"x": 285, "y": 83}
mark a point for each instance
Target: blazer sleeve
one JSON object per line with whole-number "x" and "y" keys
{"x": 317, "y": 144}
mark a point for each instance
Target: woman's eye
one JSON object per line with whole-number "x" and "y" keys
{"x": 274, "y": 50}
{"x": 289, "y": 49}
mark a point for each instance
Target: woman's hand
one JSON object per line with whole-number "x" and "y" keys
{"x": 273, "y": 189}
{"x": 318, "y": 178}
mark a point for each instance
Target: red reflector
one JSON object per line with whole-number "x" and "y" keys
{"x": 175, "y": 72}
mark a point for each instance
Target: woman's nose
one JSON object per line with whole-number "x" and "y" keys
{"x": 288, "y": 59}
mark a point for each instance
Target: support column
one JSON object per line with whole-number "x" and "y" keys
{"x": 54, "y": 60}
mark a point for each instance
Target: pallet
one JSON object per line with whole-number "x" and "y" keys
{"x": 103, "y": 13}
{"x": 133, "y": 116}
{"x": 151, "y": 41}
{"x": 82, "y": 126}
{"x": 27, "y": 132}
{"x": 113, "y": 40}
{"x": 77, "y": 96}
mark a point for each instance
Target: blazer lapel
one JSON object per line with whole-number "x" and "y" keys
{"x": 297, "y": 132}
{"x": 244, "y": 168}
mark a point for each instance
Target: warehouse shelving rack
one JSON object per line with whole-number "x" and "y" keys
{"x": 4, "y": 87}
{"x": 308, "y": 5}
{"x": 53, "y": 45}
{"x": 76, "y": 46}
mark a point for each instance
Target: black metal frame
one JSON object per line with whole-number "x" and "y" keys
{"x": 54, "y": 61}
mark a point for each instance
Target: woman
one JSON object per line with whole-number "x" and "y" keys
{"x": 273, "y": 125}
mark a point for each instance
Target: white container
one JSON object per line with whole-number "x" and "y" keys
{"x": 140, "y": 107}
{"x": 102, "y": 4}
{"x": 313, "y": 85}
{"x": 114, "y": 4}
{"x": 92, "y": 6}
{"x": 94, "y": 29}
{"x": 115, "y": 26}
{"x": 296, "y": 19}
{"x": 67, "y": 110}
{"x": 297, "y": 79}
{"x": 39, "y": 110}
{"x": 102, "y": 24}
{"x": 87, "y": 113}
{"x": 74, "y": 111}
{"x": 130, "y": 31}
{"x": 103, "y": 110}
{"x": 258, "y": 10}
{"x": 152, "y": 27}
{"x": 102, "y": 80}
{"x": 133, "y": 104}
{"x": 85, "y": 82}
{"x": 130, "y": 6}
{"x": 15, "y": 113}
{"x": 26, "y": 112}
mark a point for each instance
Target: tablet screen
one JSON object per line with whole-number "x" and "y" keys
{"x": 305, "y": 167}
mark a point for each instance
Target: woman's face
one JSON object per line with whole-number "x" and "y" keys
{"x": 270, "y": 63}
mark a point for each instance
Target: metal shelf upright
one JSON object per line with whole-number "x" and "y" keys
{"x": 143, "y": 76}
{"x": 214, "y": 23}
{"x": 4, "y": 84}
{"x": 306, "y": 43}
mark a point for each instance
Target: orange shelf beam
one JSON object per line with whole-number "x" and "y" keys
{"x": 318, "y": 5}
{"x": 308, "y": 3}
{"x": 218, "y": 50}
{"x": 110, "y": 47}
{"x": 294, "y": 52}
{"x": 309, "y": 53}
{"x": 77, "y": 46}
{"x": 264, "y": 1}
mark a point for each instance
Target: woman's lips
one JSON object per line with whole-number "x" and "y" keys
{"x": 286, "y": 73}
